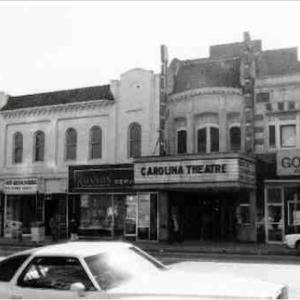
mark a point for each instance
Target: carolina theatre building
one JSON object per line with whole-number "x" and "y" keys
{"x": 213, "y": 142}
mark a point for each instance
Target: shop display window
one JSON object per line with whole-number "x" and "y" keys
{"x": 96, "y": 212}
{"x": 22, "y": 210}
{"x": 274, "y": 195}
{"x": 293, "y": 213}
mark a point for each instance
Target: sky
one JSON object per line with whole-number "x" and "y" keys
{"x": 47, "y": 46}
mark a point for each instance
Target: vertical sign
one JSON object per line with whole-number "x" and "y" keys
{"x": 163, "y": 101}
{"x": 248, "y": 82}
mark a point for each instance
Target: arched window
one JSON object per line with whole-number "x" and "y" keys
{"x": 95, "y": 142}
{"x": 134, "y": 140}
{"x": 214, "y": 139}
{"x": 208, "y": 139}
{"x": 39, "y": 146}
{"x": 17, "y": 147}
{"x": 202, "y": 140}
{"x": 71, "y": 144}
{"x": 235, "y": 138}
{"x": 181, "y": 141}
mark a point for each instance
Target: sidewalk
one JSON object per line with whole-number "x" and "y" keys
{"x": 187, "y": 248}
{"x": 207, "y": 247}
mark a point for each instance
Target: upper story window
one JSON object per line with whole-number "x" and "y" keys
{"x": 17, "y": 147}
{"x": 39, "y": 146}
{"x": 235, "y": 138}
{"x": 208, "y": 139}
{"x": 95, "y": 142}
{"x": 263, "y": 97}
{"x": 71, "y": 144}
{"x": 288, "y": 135}
{"x": 272, "y": 136}
{"x": 181, "y": 141}
{"x": 134, "y": 140}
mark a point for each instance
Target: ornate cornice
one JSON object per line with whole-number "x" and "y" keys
{"x": 53, "y": 109}
{"x": 204, "y": 91}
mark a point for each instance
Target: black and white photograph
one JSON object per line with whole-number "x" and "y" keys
{"x": 149, "y": 150}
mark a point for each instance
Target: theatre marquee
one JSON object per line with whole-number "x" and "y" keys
{"x": 205, "y": 170}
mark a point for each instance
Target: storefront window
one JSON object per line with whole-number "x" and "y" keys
{"x": 96, "y": 213}
{"x": 288, "y": 135}
{"x": 274, "y": 195}
{"x": 22, "y": 209}
{"x": 119, "y": 213}
{"x": 293, "y": 213}
{"x": 130, "y": 215}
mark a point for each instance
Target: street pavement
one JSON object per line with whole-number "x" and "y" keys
{"x": 281, "y": 273}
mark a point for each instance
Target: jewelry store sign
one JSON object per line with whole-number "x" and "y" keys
{"x": 193, "y": 171}
{"x": 288, "y": 162}
{"x": 21, "y": 186}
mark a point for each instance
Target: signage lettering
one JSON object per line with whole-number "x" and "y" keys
{"x": 194, "y": 171}
{"x": 100, "y": 177}
{"x": 288, "y": 162}
{"x": 178, "y": 170}
{"x": 18, "y": 186}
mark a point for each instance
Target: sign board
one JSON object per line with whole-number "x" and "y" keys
{"x": 288, "y": 162}
{"x": 21, "y": 186}
{"x": 102, "y": 177}
{"x": 195, "y": 171}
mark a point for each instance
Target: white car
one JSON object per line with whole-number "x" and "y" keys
{"x": 293, "y": 241}
{"x": 115, "y": 270}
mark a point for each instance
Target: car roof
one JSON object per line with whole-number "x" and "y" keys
{"x": 78, "y": 249}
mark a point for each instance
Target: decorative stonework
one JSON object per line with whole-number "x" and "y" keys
{"x": 204, "y": 91}
{"x": 53, "y": 109}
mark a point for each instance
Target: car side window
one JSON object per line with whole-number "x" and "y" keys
{"x": 9, "y": 266}
{"x": 57, "y": 273}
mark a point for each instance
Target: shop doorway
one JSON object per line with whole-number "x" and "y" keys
{"x": 56, "y": 209}
{"x": 206, "y": 215}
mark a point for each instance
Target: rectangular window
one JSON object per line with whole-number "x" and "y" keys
{"x": 202, "y": 140}
{"x": 288, "y": 135}
{"x": 263, "y": 97}
{"x": 214, "y": 139}
{"x": 181, "y": 141}
{"x": 272, "y": 136}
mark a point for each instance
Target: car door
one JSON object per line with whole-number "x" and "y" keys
{"x": 47, "y": 277}
{"x": 8, "y": 268}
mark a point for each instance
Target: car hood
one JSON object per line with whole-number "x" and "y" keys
{"x": 179, "y": 283}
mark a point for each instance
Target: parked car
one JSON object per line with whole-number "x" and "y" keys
{"x": 115, "y": 270}
{"x": 293, "y": 241}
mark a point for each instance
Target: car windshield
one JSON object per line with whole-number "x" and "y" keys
{"x": 115, "y": 267}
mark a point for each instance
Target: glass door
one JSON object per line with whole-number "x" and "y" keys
{"x": 147, "y": 216}
{"x": 130, "y": 227}
{"x": 274, "y": 215}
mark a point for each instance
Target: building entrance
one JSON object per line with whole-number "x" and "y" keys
{"x": 206, "y": 215}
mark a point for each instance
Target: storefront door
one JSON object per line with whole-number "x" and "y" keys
{"x": 147, "y": 216}
{"x": 274, "y": 208}
{"x": 131, "y": 216}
